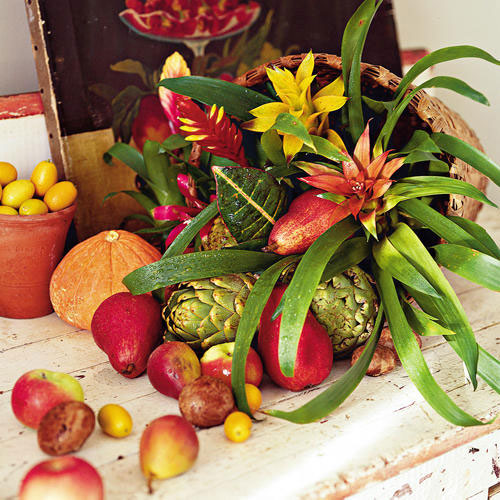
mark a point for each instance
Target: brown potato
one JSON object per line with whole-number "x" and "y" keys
{"x": 65, "y": 428}
{"x": 383, "y": 361}
{"x": 206, "y": 401}
{"x": 386, "y": 340}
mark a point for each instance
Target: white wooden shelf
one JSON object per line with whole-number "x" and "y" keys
{"x": 383, "y": 442}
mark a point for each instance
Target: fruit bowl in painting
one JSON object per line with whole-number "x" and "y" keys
{"x": 179, "y": 21}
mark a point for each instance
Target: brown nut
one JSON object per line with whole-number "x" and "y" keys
{"x": 383, "y": 361}
{"x": 65, "y": 428}
{"x": 206, "y": 401}
{"x": 386, "y": 340}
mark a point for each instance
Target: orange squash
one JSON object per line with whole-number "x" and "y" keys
{"x": 93, "y": 270}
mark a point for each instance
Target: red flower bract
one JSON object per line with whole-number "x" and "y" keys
{"x": 361, "y": 184}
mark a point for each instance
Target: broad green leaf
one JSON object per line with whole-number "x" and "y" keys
{"x": 353, "y": 41}
{"x": 422, "y": 323}
{"x": 250, "y": 245}
{"x": 378, "y": 107}
{"x": 449, "y": 307}
{"x": 445, "y": 227}
{"x": 390, "y": 260}
{"x": 237, "y": 100}
{"x": 477, "y": 232}
{"x": 128, "y": 155}
{"x": 330, "y": 399}
{"x": 289, "y": 124}
{"x": 197, "y": 265}
{"x": 249, "y": 321}
{"x": 302, "y": 288}
{"x": 470, "y": 264}
{"x": 175, "y": 141}
{"x": 325, "y": 148}
{"x": 411, "y": 357}
{"x": 439, "y": 56}
{"x": 186, "y": 236}
{"x": 250, "y": 201}
{"x": 142, "y": 217}
{"x": 432, "y": 185}
{"x": 350, "y": 253}
{"x": 162, "y": 175}
{"x": 273, "y": 147}
{"x": 140, "y": 198}
{"x": 469, "y": 154}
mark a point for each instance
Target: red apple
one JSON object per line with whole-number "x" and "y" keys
{"x": 169, "y": 446}
{"x": 65, "y": 477}
{"x": 314, "y": 353}
{"x": 218, "y": 360}
{"x": 171, "y": 366}
{"x": 37, "y": 391}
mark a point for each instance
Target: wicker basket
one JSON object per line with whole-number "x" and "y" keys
{"x": 424, "y": 112}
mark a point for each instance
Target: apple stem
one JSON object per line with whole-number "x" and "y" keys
{"x": 150, "y": 486}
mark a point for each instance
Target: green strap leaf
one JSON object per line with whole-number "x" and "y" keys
{"x": 420, "y": 141}
{"x": 128, "y": 155}
{"x": 411, "y": 357}
{"x": 194, "y": 266}
{"x": 422, "y": 323}
{"x": 446, "y": 82}
{"x": 439, "y": 56}
{"x": 350, "y": 253}
{"x": 444, "y": 227}
{"x": 353, "y": 41}
{"x": 488, "y": 368}
{"x": 249, "y": 321}
{"x": 331, "y": 398}
{"x": 289, "y": 124}
{"x": 237, "y": 100}
{"x": 302, "y": 288}
{"x": 175, "y": 141}
{"x": 389, "y": 259}
{"x": 449, "y": 307}
{"x": 433, "y": 185}
{"x": 470, "y": 264}
{"x": 477, "y": 232}
{"x": 186, "y": 236}
{"x": 140, "y": 198}
{"x": 469, "y": 154}
{"x": 162, "y": 175}
{"x": 250, "y": 201}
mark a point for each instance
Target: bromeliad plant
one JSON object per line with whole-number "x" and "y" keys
{"x": 379, "y": 213}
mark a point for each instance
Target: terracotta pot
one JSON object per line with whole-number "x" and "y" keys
{"x": 30, "y": 248}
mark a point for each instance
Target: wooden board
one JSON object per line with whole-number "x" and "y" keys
{"x": 383, "y": 442}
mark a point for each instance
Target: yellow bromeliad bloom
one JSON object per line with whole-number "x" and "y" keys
{"x": 295, "y": 95}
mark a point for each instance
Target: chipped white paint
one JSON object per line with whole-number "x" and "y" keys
{"x": 381, "y": 439}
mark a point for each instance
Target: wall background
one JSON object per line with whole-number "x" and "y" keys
{"x": 426, "y": 23}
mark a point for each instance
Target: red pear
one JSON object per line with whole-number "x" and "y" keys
{"x": 127, "y": 328}
{"x": 314, "y": 354}
{"x": 307, "y": 218}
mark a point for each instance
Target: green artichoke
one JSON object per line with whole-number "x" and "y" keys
{"x": 218, "y": 236}
{"x": 207, "y": 312}
{"x": 346, "y": 306}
